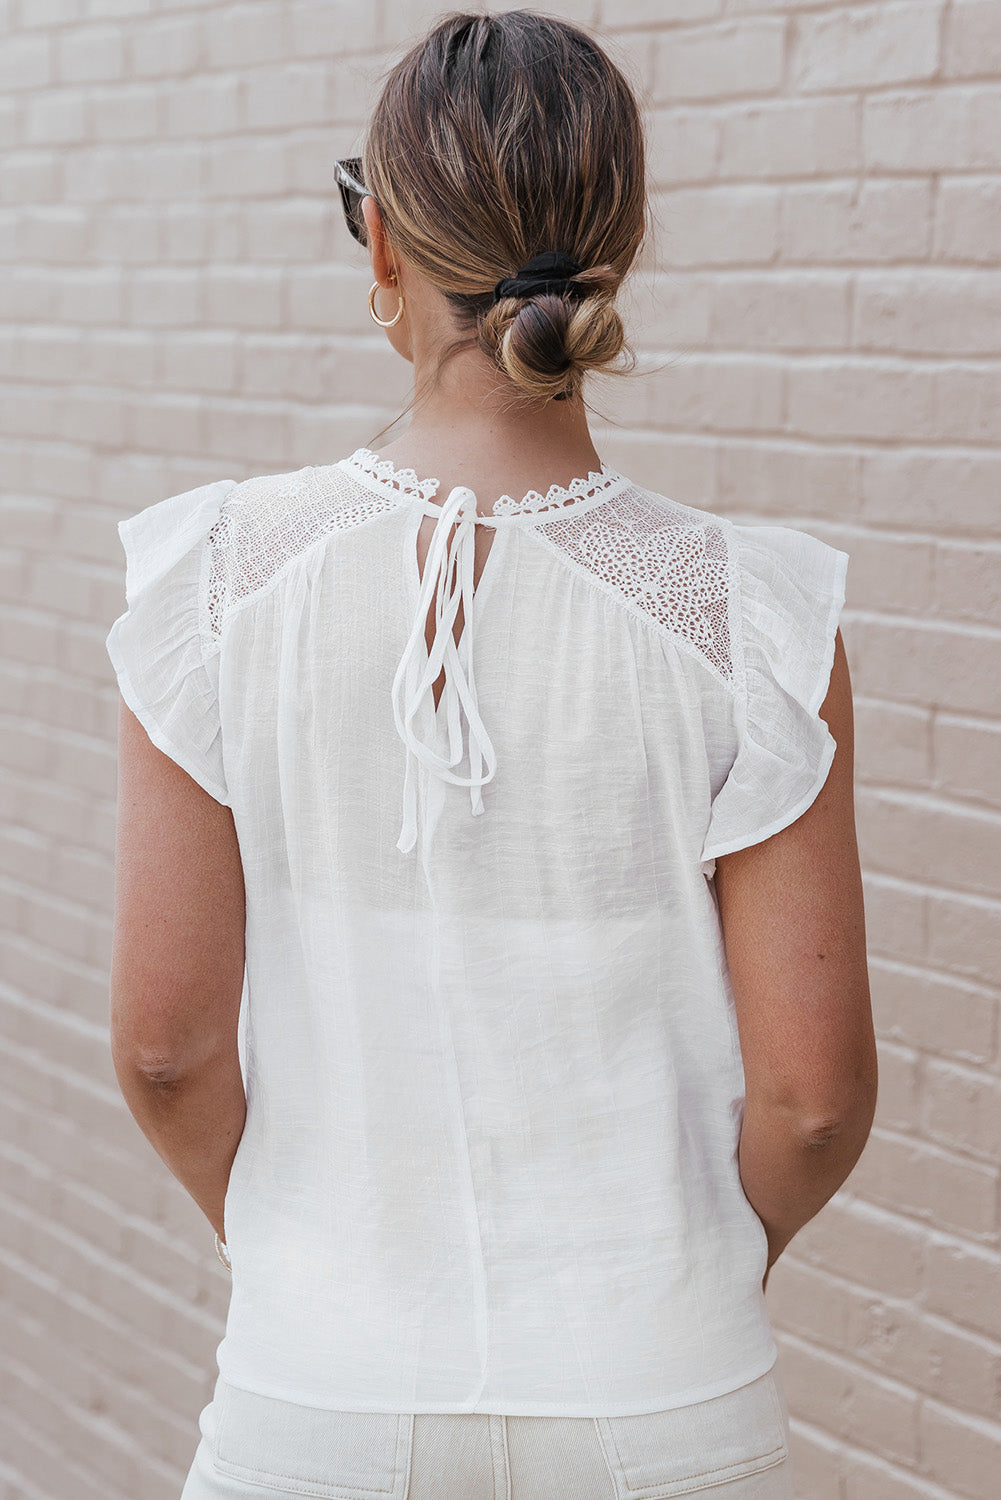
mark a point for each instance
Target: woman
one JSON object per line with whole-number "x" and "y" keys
{"x": 508, "y": 805}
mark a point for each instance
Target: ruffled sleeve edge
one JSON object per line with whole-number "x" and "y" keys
{"x": 181, "y": 523}
{"x": 811, "y": 702}
{"x": 162, "y": 741}
{"x": 787, "y": 816}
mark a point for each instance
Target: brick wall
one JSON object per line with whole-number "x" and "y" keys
{"x": 818, "y": 319}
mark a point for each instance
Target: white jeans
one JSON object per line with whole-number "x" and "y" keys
{"x": 731, "y": 1447}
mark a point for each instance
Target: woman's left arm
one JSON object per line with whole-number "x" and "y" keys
{"x": 177, "y": 967}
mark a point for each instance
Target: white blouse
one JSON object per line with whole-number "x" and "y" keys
{"x": 493, "y": 1074}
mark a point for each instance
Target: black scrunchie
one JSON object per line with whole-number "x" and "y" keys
{"x": 547, "y": 272}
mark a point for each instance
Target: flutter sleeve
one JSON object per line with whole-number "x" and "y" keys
{"x": 790, "y": 591}
{"x": 163, "y": 648}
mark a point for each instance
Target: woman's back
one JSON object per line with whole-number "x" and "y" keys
{"x": 494, "y": 1078}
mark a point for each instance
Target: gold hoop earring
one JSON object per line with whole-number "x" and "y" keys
{"x": 383, "y": 322}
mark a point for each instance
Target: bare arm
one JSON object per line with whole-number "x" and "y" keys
{"x": 794, "y": 927}
{"x": 177, "y": 967}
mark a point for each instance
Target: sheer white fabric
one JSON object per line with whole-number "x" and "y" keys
{"x": 493, "y": 1071}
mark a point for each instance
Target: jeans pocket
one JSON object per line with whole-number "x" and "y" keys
{"x": 687, "y": 1449}
{"x": 340, "y": 1455}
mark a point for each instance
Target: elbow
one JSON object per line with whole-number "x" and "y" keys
{"x": 842, "y": 1110}
{"x": 819, "y": 1133}
{"x": 149, "y": 1056}
{"x": 842, "y": 1106}
{"x": 151, "y": 1047}
{"x": 850, "y": 1120}
{"x": 158, "y": 1070}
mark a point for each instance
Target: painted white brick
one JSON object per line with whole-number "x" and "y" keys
{"x": 791, "y": 138}
{"x": 245, "y": 167}
{"x": 959, "y": 1450}
{"x": 734, "y": 59}
{"x": 861, "y": 398}
{"x": 124, "y": 114}
{"x": 866, "y": 46}
{"x": 683, "y": 146}
{"x": 246, "y": 297}
{"x": 289, "y": 232}
{"x": 876, "y": 1414}
{"x": 353, "y": 89}
{"x": 54, "y": 233}
{"x": 298, "y": 94}
{"x": 165, "y": 47}
{"x": 968, "y": 404}
{"x": 659, "y": 12}
{"x": 128, "y": 234}
{"x": 920, "y": 487}
{"x": 972, "y": 40}
{"x": 107, "y": 8}
{"x": 25, "y": 62}
{"x": 193, "y": 233}
{"x": 200, "y": 360}
{"x": 882, "y": 220}
{"x": 54, "y": 115}
{"x": 947, "y": 130}
{"x": 966, "y": 758}
{"x": 244, "y": 36}
{"x": 968, "y": 220}
{"x": 203, "y": 106}
{"x": 925, "y": 311}
{"x": 45, "y": 13}
{"x": 334, "y": 27}
{"x": 776, "y": 480}
{"x": 153, "y": 171}
{"x": 30, "y": 176}
{"x": 90, "y": 54}
{"x": 163, "y": 298}
{"x": 717, "y": 226}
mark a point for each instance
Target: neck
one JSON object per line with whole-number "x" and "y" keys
{"x": 468, "y": 429}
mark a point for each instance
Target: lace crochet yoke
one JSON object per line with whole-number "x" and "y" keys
{"x": 666, "y": 562}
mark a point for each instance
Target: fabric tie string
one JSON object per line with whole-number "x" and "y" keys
{"x": 448, "y": 577}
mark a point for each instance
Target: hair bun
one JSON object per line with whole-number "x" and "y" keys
{"x": 547, "y": 343}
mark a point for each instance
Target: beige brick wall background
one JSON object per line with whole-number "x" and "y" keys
{"x": 819, "y": 312}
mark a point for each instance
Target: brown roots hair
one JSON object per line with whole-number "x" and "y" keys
{"x": 498, "y": 137}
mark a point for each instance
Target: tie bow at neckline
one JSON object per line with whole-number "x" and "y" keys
{"x": 448, "y": 579}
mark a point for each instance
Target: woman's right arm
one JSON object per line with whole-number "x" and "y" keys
{"x": 794, "y": 927}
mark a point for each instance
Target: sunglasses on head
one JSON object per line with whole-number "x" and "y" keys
{"x": 353, "y": 190}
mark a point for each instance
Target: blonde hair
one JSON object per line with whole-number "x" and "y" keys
{"x": 498, "y": 137}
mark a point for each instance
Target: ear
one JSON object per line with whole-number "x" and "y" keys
{"x": 382, "y": 260}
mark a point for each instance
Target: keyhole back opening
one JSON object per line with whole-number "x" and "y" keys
{"x": 484, "y": 541}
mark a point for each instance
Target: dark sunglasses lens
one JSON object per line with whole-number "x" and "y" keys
{"x": 351, "y": 202}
